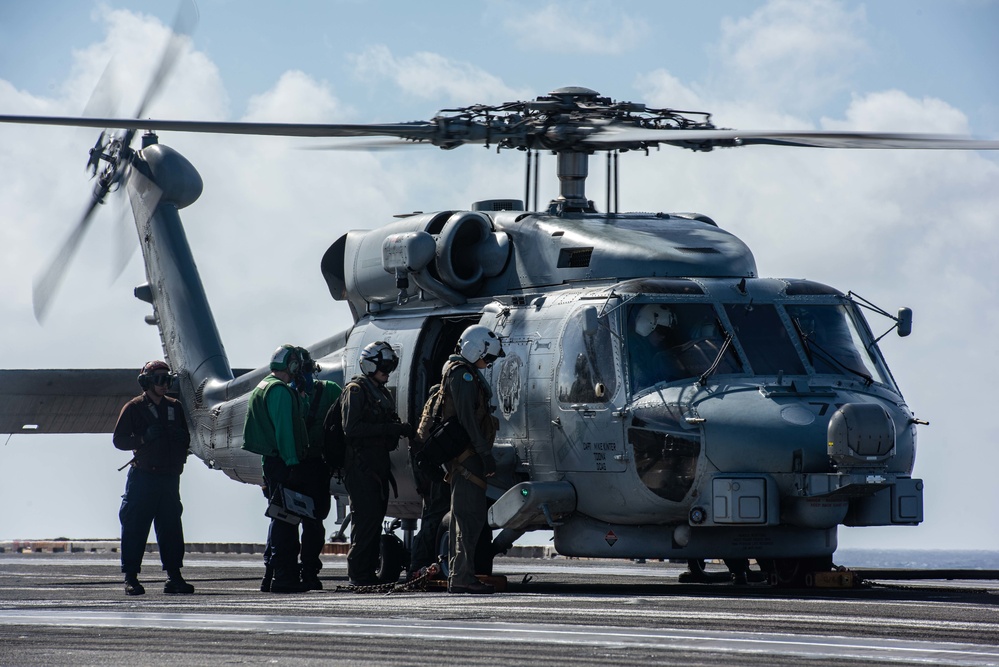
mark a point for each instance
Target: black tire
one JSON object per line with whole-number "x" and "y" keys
{"x": 484, "y": 552}
{"x": 444, "y": 545}
{"x": 794, "y": 572}
{"x": 392, "y": 558}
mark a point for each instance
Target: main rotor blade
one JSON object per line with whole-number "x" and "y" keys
{"x": 606, "y": 138}
{"x": 48, "y": 282}
{"x": 414, "y": 130}
{"x": 370, "y": 146}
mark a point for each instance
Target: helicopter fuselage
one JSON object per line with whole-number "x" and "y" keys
{"x": 749, "y": 418}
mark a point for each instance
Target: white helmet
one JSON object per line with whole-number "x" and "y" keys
{"x": 378, "y": 356}
{"x": 478, "y": 342}
{"x": 653, "y": 315}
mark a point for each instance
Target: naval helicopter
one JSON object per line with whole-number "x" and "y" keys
{"x": 658, "y": 398}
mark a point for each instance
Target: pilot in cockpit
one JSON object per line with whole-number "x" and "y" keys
{"x": 651, "y": 359}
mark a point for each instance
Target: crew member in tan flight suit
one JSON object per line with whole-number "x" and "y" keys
{"x": 467, "y": 395}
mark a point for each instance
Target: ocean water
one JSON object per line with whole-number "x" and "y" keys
{"x": 935, "y": 559}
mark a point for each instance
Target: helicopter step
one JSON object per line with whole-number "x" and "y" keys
{"x": 531, "y": 503}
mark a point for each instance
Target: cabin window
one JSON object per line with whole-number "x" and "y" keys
{"x": 764, "y": 338}
{"x": 833, "y": 343}
{"x": 666, "y": 462}
{"x": 586, "y": 371}
{"x": 673, "y": 341}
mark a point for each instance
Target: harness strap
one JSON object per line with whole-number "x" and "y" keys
{"x": 456, "y": 467}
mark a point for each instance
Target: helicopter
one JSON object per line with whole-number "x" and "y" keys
{"x": 614, "y": 463}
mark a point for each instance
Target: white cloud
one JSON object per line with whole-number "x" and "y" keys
{"x": 895, "y": 111}
{"x": 432, "y": 76}
{"x": 295, "y": 98}
{"x": 661, "y": 89}
{"x": 576, "y": 28}
{"x": 791, "y": 52}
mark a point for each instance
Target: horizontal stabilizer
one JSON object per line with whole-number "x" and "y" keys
{"x": 65, "y": 401}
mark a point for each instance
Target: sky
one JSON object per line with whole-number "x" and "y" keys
{"x": 900, "y": 228}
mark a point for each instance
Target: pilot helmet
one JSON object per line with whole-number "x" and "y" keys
{"x": 478, "y": 342}
{"x": 378, "y": 356}
{"x": 653, "y": 315}
{"x": 286, "y": 358}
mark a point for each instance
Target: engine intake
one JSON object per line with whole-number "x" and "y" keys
{"x": 448, "y": 255}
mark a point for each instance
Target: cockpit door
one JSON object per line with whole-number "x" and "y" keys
{"x": 587, "y": 435}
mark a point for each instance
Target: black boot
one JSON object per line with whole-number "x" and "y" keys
{"x": 132, "y": 585}
{"x": 265, "y": 583}
{"x": 287, "y": 586}
{"x": 175, "y": 584}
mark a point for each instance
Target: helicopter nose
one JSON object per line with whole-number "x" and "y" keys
{"x": 860, "y": 434}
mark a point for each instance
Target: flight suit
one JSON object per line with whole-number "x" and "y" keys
{"x": 372, "y": 429}
{"x": 467, "y": 395}
{"x": 275, "y": 429}
{"x": 159, "y": 437}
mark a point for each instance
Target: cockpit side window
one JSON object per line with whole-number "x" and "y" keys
{"x": 675, "y": 341}
{"x": 764, "y": 338}
{"x": 833, "y": 342}
{"x": 586, "y": 372}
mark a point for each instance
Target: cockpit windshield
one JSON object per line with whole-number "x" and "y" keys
{"x": 833, "y": 343}
{"x": 765, "y": 339}
{"x": 668, "y": 342}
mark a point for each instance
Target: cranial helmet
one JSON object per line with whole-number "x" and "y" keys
{"x": 653, "y": 315}
{"x": 478, "y": 342}
{"x": 378, "y": 356}
{"x": 309, "y": 364}
{"x": 150, "y": 369}
{"x": 286, "y": 358}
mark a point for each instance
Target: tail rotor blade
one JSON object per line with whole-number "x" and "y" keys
{"x": 125, "y": 240}
{"x": 183, "y": 26}
{"x": 48, "y": 282}
{"x": 105, "y": 98}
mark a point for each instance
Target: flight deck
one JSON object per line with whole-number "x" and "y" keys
{"x": 70, "y": 607}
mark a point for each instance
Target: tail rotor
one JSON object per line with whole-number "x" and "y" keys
{"x": 110, "y": 157}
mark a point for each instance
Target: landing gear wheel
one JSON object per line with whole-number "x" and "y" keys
{"x": 794, "y": 572}
{"x": 484, "y": 552}
{"x": 392, "y": 558}
{"x": 444, "y": 545}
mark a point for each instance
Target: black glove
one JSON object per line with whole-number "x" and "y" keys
{"x": 488, "y": 465}
{"x": 405, "y": 430}
{"x": 154, "y": 432}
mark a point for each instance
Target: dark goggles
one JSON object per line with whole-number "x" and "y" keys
{"x": 387, "y": 365}
{"x": 161, "y": 379}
